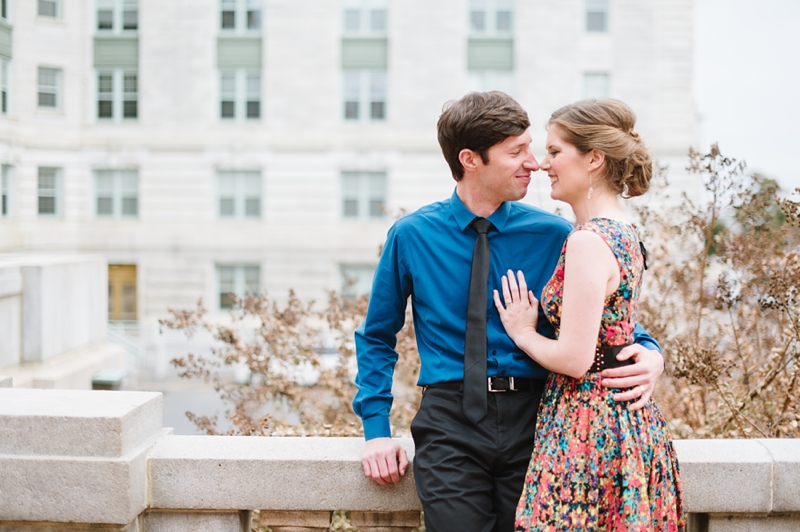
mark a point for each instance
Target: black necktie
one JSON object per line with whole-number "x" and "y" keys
{"x": 474, "y": 406}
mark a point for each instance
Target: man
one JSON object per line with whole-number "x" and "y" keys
{"x": 470, "y": 461}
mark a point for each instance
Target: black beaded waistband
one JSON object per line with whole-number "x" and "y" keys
{"x": 605, "y": 357}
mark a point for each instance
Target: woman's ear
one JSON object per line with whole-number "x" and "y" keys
{"x": 596, "y": 159}
{"x": 467, "y": 158}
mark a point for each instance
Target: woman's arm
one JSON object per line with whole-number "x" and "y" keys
{"x": 591, "y": 272}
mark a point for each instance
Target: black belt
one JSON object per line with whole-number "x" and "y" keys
{"x": 605, "y": 357}
{"x": 497, "y": 384}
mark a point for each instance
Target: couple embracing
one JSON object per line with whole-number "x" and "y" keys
{"x": 536, "y": 411}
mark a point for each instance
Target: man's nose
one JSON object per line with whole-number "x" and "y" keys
{"x": 531, "y": 164}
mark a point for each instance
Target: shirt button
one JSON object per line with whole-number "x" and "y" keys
{"x": 494, "y": 351}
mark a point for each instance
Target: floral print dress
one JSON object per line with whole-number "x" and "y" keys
{"x": 596, "y": 466}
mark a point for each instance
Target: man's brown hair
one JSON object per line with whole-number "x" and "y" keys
{"x": 477, "y": 122}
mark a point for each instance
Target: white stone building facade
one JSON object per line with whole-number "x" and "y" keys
{"x": 207, "y": 146}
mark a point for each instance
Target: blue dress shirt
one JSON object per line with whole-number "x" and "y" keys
{"x": 428, "y": 256}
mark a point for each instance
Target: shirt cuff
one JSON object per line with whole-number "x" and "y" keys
{"x": 377, "y": 427}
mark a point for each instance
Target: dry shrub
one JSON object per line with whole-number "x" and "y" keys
{"x": 281, "y": 345}
{"x": 721, "y": 298}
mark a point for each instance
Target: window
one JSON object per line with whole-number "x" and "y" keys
{"x": 4, "y": 85}
{"x": 50, "y": 8}
{"x": 116, "y": 193}
{"x": 117, "y": 15}
{"x": 4, "y": 9}
{"x": 365, "y": 17}
{"x": 240, "y": 94}
{"x": 48, "y": 188}
{"x": 239, "y": 194}
{"x": 491, "y": 17}
{"x": 364, "y": 59}
{"x": 49, "y": 88}
{"x": 364, "y": 94}
{"x": 356, "y": 279}
{"x": 363, "y": 195}
{"x": 596, "y": 85}
{"x": 490, "y": 49}
{"x": 597, "y": 16}
{"x": 239, "y": 280}
{"x": 117, "y": 95}
{"x": 240, "y": 15}
{"x": 5, "y": 191}
{"x": 121, "y": 291}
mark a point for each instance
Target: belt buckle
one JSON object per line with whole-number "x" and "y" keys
{"x": 509, "y": 380}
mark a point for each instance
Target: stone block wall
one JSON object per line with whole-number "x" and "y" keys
{"x": 78, "y": 460}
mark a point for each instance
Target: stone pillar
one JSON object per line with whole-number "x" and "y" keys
{"x": 295, "y": 521}
{"x": 385, "y": 521}
{"x": 77, "y": 457}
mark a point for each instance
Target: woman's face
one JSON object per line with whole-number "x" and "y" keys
{"x": 567, "y": 168}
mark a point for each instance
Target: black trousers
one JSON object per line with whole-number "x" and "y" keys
{"x": 470, "y": 477}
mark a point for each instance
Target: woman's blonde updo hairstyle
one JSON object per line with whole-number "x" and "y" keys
{"x": 607, "y": 126}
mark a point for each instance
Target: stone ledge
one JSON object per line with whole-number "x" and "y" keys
{"x": 75, "y": 489}
{"x": 786, "y": 474}
{"x": 76, "y": 423}
{"x": 230, "y": 473}
{"x": 714, "y": 471}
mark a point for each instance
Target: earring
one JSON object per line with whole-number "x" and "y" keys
{"x": 589, "y": 195}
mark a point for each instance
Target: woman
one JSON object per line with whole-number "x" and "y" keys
{"x": 596, "y": 465}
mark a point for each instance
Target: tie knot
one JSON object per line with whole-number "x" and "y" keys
{"x": 481, "y": 225}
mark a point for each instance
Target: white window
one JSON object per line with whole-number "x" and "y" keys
{"x": 117, "y": 94}
{"x": 240, "y": 94}
{"x": 50, "y": 8}
{"x": 117, "y": 16}
{"x": 490, "y": 48}
{"x": 49, "y": 184}
{"x": 239, "y": 194}
{"x": 49, "y": 88}
{"x": 596, "y": 85}
{"x": 363, "y": 195}
{"x": 491, "y": 17}
{"x": 597, "y": 16}
{"x": 5, "y": 191}
{"x": 239, "y": 279}
{"x": 240, "y": 15}
{"x": 116, "y": 193}
{"x": 356, "y": 279}
{"x": 365, "y": 17}
{"x": 4, "y": 85}
{"x": 364, "y": 94}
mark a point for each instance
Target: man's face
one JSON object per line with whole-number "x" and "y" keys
{"x": 508, "y": 173}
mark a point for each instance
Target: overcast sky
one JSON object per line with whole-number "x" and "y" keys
{"x": 747, "y": 82}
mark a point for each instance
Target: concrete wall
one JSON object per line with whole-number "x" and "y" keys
{"x": 53, "y": 320}
{"x": 94, "y": 474}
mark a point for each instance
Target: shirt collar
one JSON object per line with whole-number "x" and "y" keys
{"x": 464, "y": 216}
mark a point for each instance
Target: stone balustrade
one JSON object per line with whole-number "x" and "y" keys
{"x": 80, "y": 460}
